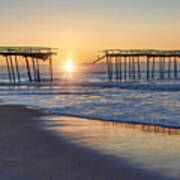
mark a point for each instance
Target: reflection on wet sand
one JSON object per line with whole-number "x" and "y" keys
{"x": 147, "y": 128}
{"x": 151, "y": 147}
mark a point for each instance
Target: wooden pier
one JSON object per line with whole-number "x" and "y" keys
{"x": 13, "y": 56}
{"x": 139, "y": 64}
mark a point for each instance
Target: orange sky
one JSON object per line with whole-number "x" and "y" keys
{"x": 80, "y": 29}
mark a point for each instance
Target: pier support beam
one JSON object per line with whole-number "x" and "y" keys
{"x": 109, "y": 67}
{"x": 17, "y": 69}
{"x": 163, "y": 67}
{"x": 51, "y": 68}
{"x": 160, "y": 67}
{"x": 34, "y": 69}
{"x": 169, "y": 68}
{"x": 28, "y": 69}
{"x": 139, "y": 68}
{"x": 12, "y": 69}
{"x": 8, "y": 69}
{"x": 153, "y": 67}
{"x": 130, "y": 68}
{"x": 175, "y": 68}
{"x": 117, "y": 67}
{"x": 133, "y": 68}
{"x": 125, "y": 68}
{"x": 38, "y": 71}
{"x": 120, "y": 68}
{"x": 148, "y": 74}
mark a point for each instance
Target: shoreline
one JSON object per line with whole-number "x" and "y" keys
{"x": 27, "y": 152}
{"x": 158, "y": 127}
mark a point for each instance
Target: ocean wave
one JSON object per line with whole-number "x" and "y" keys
{"x": 130, "y": 85}
{"x": 49, "y": 93}
{"x": 91, "y": 117}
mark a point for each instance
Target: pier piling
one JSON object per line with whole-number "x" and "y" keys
{"x": 130, "y": 68}
{"x": 38, "y": 71}
{"x": 148, "y": 58}
{"x": 120, "y": 68}
{"x": 117, "y": 68}
{"x": 169, "y": 68}
{"x": 133, "y": 67}
{"x": 125, "y": 68}
{"x": 153, "y": 67}
{"x": 17, "y": 69}
{"x": 34, "y": 69}
{"x": 175, "y": 68}
{"x": 31, "y": 55}
{"x": 8, "y": 69}
{"x": 144, "y": 64}
{"x": 12, "y": 69}
{"x": 28, "y": 70}
{"x": 139, "y": 67}
{"x": 51, "y": 69}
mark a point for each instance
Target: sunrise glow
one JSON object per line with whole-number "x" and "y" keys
{"x": 69, "y": 66}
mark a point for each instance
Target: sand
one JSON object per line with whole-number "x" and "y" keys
{"x": 29, "y": 152}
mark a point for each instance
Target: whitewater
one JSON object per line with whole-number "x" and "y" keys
{"x": 89, "y": 94}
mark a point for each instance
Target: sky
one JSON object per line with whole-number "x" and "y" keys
{"x": 80, "y": 28}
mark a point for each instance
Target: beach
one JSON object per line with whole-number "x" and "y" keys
{"x": 29, "y": 152}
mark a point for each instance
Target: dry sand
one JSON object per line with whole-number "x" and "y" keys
{"x": 29, "y": 152}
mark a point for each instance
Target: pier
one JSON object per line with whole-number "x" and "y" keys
{"x": 136, "y": 64}
{"x": 13, "y": 56}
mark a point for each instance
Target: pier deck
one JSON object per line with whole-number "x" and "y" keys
{"x": 31, "y": 56}
{"x": 128, "y": 64}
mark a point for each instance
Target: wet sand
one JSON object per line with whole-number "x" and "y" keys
{"x": 29, "y": 152}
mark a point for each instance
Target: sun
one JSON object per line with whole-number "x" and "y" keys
{"x": 69, "y": 66}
